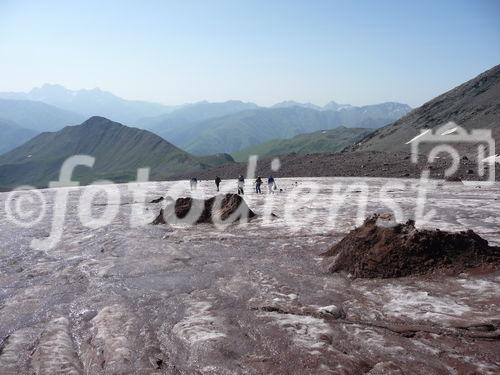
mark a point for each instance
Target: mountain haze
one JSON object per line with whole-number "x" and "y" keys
{"x": 334, "y": 106}
{"x": 37, "y": 116}
{"x": 12, "y": 135}
{"x": 94, "y": 102}
{"x": 201, "y": 128}
{"x": 291, "y": 103}
{"x": 191, "y": 113}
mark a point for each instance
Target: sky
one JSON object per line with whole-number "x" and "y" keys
{"x": 173, "y": 52}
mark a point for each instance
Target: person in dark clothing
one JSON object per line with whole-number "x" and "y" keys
{"x": 271, "y": 184}
{"x": 217, "y": 182}
{"x": 258, "y": 182}
{"x": 193, "y": 183}
{"x": 241, "y": 185}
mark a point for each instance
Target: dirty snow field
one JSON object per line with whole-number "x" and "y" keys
{"x": 250, "y": 299}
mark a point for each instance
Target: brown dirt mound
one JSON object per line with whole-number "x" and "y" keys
{"x": 232, "y": 207}
{"x": 402, "y": 250}
{"x": 453, "y": 179}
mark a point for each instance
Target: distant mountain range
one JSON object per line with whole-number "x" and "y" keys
{"x": 331, "y": 106}
{"x": 119, "y": 150}
{"x": 95, "y": 102}
{"x": 37, "y": 116}
{"x": 236, "y": 128}
{"x": 472, "y": 105}
{"x": 291, "y": 103}
{"x": 193, "y": 113}
{"x": 21, "y": 120}
{"x": 12, "y": 135}
{"x": 201, "y": 128}
{"x": 323, "y": 141}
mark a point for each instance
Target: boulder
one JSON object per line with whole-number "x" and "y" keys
{"x": 374, "y": 250}
{"x": 230, "y": 207}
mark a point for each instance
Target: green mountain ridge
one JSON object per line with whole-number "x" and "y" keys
{"x": 119, "y": 151}
{"x": 323, "y": 141}
{"x": 245, "y": 128}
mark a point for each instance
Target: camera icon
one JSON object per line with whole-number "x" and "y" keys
{"x": 449, "y": 135}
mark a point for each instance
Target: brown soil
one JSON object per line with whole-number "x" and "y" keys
{"x": 347, "y": 164}
{"x": 453, "y": 179}
{"x": 232, "y": 207}
{"x": 373, "y": 250}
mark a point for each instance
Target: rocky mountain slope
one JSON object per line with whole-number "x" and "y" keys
{"x": 472, "y": 105}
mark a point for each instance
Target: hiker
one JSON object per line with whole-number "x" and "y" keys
{"x": 193, "y": 183}
{"x": 271, "y": 184}
{"x": 217, "y": 182}
{"x": 241, "y": 185}
{"x": 258, "y": 182}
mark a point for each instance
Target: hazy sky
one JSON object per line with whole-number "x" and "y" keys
{"x": 358, "y": 52}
